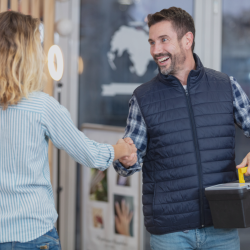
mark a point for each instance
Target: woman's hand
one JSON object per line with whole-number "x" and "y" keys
{"x": 130, "y": 146}
{"x": 128, "y": 161}
{"x": 123, "y": 149}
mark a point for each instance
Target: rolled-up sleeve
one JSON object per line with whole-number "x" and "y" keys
{"x": 60, "y": 128}
{"x": 137, "y": 131}
{"x": 241, "y": 105}
{"x": 124, "y": 171}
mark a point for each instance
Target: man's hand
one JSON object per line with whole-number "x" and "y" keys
{"x": 128, "y": 161}
{"x": 245, "y": 163}
{"x": 130, "y": 146}
{"x": 123, "y": 149}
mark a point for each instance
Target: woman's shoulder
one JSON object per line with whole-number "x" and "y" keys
{"x": 36, "y": 102}
{"x": 40, "y": 97}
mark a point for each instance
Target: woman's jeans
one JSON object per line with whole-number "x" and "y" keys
{"x": 50, "y": 241}
{"x": 200, "y": 239}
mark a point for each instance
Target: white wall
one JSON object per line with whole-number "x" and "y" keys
{"x": 69, "y": 99}
{"x": 208, "y": 24}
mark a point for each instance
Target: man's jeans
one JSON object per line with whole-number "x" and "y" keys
{"x": 50, "y": 241}
{"x": 202, "y": 239}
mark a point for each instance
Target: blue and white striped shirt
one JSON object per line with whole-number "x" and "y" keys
{"x": 137, "y": 131}
{"x": 27, "y": 208}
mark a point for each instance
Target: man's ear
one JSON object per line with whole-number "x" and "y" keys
{"x": 188, "y": 40}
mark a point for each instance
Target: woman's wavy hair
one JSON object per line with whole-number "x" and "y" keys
{"x": 22, "y": 58}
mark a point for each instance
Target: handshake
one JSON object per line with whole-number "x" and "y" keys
{"x": 125, "y": 152}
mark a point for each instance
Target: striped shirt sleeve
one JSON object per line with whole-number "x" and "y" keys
{"x": 60, "y": 128}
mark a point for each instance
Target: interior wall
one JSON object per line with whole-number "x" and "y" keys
{"x": 69, "y": 98}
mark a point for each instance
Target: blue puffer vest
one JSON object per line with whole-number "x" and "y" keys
{"x": 191, "y": 141}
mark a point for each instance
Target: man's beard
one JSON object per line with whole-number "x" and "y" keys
{"x": 176, "y": 62}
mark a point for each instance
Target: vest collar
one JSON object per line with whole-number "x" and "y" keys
{"x": 194, "y": 75}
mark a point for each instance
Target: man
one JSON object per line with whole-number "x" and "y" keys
{"x": 182, "y": 123}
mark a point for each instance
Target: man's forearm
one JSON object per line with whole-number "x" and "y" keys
{"x": 137, "y": 131}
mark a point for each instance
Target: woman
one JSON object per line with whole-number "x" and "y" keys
{"x": 28, "y": 119}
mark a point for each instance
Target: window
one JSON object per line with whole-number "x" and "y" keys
{"x": 115, "y": 54}
{"x": 236, "y": 55}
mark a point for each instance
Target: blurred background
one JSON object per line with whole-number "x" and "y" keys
{"x": 106, "y": 56}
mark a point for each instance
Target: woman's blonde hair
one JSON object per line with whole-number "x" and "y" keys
{"x": 22, "y": 58}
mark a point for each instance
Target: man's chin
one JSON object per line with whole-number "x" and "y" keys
{"x": 165, "y": 71}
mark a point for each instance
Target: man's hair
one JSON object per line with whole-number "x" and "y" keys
{"x": 182, "y": 21}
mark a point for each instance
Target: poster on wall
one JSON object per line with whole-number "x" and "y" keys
{"x": 111, "y": 203}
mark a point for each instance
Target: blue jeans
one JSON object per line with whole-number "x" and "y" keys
{"x": 50, "y": 241}
{"x": 202, "y": 239}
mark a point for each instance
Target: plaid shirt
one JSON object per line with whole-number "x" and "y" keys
{"x": 136, "y": 128}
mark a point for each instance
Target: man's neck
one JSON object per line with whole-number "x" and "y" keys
{"x": 182, "y": 74}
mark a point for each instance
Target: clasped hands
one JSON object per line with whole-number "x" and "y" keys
{"x": 128, "y": 161}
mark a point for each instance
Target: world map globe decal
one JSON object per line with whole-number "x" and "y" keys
{"x": 138, "y": 54}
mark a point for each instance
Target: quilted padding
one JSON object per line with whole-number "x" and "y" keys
{"x": 191, "y": 141}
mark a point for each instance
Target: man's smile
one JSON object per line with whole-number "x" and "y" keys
{"x": 162, "y": 60}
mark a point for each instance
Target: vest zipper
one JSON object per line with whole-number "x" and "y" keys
{"x": 191, "y": 114}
